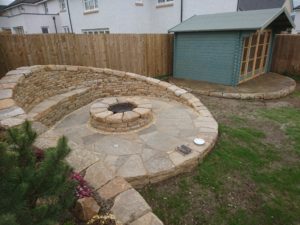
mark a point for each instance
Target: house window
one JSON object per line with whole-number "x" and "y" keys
{"x": 5, "y": 30}
{"x": 62, "y": 5}
{"x": 46, "y": 7}
{"x": 18, "y": 30}
{"x": 66, "y": 29}
{"x": 45, "y": 30}
{"x": 163, "y": 3}
{"x": 96, "y": 31}
{"x": 21, "y": 9}
{"x": 90, "y": 5}
{"x": 139, "y": 3}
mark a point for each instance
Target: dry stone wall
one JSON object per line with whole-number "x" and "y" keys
{"x": 47, "y": 93}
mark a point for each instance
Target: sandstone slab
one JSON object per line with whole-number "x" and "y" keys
{"x": 129, "y": 206}
{"x": 6, "y": 103}
{"x": 86, "y": 208}
{"x": 98, "y": 174}
{"x": 5, "y": 93}
{"x": 113, "y": 188}
{"x": 148, "y": 219}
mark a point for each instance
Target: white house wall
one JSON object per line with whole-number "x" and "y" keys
{"x": 32, "y": 18}
{"x": 201, "y": 7}
{"x": 121, "y": 16}
{"x": 297, "y": 22}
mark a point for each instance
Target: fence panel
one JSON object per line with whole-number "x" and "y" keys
{"x": 286, "y": 55}
{"x": 147, "y": 54}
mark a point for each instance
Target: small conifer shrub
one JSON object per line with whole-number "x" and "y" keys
{"x": 35, "y": 185}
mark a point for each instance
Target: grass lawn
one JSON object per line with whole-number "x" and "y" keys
{"x": 251, "y": 177}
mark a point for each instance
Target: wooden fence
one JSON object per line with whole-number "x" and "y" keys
{"x": 286, "y": 55}
{"x": 147, "y": 54}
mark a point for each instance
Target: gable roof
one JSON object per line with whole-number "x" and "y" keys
{"x": 245, "y": 5}
{"x": 19, "y": 2}
{"x": 242, "y": 20}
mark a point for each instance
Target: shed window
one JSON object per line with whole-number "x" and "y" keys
{"x": 255, "y": 54}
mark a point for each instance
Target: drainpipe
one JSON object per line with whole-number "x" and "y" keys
{"x": 70, "y": 16}
{"x": 238, "y": 4}
{"x": 181, "y": 10}
{"x": 54, "y": 24}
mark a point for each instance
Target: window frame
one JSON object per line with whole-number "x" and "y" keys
{"x": 96, "y": 31}
{"x": 62, "y": 5}
{"x": 46, "y": 7}
{"x": 164, "y": 3}
{"x": 255, "y": 54}
{"x": 94, "y": 7}
{"x": 66, "y": 29}
{"x": 45, "y": 27}
{"x": 17, "y": 30}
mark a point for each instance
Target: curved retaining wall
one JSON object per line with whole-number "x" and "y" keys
{"x": 26, "y": 87}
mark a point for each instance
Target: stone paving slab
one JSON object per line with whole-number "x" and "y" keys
{"x": 267, "y": 86}
{"x": 145, "y": 156}
{"x": 148, "y": 219}
{"x": 129, "y": 206}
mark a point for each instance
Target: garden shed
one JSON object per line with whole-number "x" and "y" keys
{"x": 227, "y": 48}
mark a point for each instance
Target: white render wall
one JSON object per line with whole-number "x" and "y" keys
{"x": 32, "y": 23}
{"x": 120, "y": 16}
{"x": 297, "y": 22}
{"x": 124, "y": 16}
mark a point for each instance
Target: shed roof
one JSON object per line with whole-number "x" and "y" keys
{"x": 242, "y": 20}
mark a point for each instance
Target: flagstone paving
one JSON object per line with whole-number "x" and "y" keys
{"x": 146, "y": 155}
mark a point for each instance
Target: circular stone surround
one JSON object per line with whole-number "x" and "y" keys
{"x": 120, "y": 114}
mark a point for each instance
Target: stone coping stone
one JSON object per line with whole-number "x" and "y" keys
{"x": 129, "y": 206}
{"x": 147, "y": 219}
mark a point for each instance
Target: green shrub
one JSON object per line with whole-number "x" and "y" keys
{"x": 34, "y": 189}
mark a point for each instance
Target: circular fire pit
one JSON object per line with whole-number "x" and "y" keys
{"x": 120, "y": 114}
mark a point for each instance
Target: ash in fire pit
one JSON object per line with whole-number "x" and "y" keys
{"x": 121, "y": 107}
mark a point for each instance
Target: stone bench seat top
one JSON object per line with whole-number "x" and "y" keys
{"x": 43, "y": 106}
{"x": 15, "y": 115}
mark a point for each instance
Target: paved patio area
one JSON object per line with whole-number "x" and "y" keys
{"x": 266, "y": 86}
{"x": 146, "y": 155}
